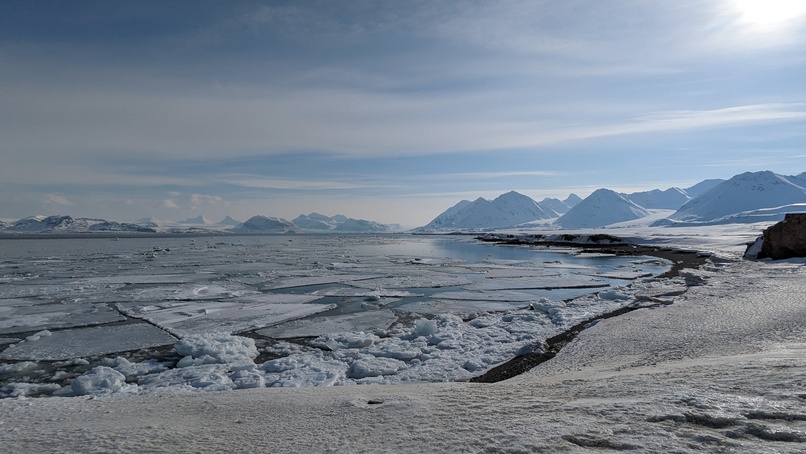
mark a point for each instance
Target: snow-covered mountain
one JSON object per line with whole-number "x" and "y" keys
{"x": 556, "y": 205}
{"x": 67, "y": 224}
{"x": 603, "y": 207}
{"x": 670, "y": 199}
{"x": 506, "y": 210}
{"x": 340, "y": 223}
{"x": 748, "y": 197}
{"x": 702, "y": 187}
{"x": 228, "y": 221}
{"x": 265, "y": 224}
{"x": 572, "y": 200}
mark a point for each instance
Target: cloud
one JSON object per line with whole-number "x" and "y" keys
{"x": 167, "y": 203}
{"x": 56, "y": 199}
{"x": 197, "y": 200}
{"x": 256, "y": 181}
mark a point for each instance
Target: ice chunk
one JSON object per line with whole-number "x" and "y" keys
{"x": 424, "y": 327}
{"x": 372, "y": 366}
{"x": 318, "y": 326}
{"x": 133, "y": 370}
{"x": 345, "y": 340}
{"x": 81, "y": 342}
{"x": 215, "y": 349}
{"x": 220, "y": 317}
{"x": 308, "y": 369}
{"x": 205, "y": 377}
{"x": 37, "y": 317}
{"x": 100, "y": 380}
{"x": 613, "y": 294}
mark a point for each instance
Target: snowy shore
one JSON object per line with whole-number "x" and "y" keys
{"x": 720, "y": 369}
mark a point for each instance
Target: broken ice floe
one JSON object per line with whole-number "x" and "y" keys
{"x": 317, "y": 280}
{"x": 431, "y": 280}
{"x": 81, "y": 342}
{"x": 311, "y": 327}
{"x": 38, "y": 317}
{"x": 183, "y": 319}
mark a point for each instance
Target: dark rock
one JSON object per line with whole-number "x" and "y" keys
{"x": 783, "y": 240}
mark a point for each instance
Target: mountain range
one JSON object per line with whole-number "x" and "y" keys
{"x": 744, "y": 198}
{"x": 313, "y": 222}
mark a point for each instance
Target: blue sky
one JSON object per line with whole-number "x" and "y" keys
{"x": 390, "y": 111}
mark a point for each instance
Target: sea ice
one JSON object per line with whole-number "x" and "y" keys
{"x": 429, "y": 280}
{"x": 81, "y": 342}
{"x": 319, "y": 326}
{"x": 318, "y": 280}
{"x": 183, "y": 319}
{"x": 41, "y": 316}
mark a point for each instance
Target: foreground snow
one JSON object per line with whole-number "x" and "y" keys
{"x": 720, "y": 369}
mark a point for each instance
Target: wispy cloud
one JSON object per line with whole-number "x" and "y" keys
{"x": 255, "y": 181}
{"x": 57, "y": 199}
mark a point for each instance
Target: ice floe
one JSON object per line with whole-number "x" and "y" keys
{"x": 81, "y": 342}
{"x": 312, "y": 327}
{"x": 183, "y": 319}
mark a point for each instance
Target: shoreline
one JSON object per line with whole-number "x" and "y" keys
{"x": 523, "y": 363}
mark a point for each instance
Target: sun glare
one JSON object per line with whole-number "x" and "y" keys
{"x": 770, "y": 13}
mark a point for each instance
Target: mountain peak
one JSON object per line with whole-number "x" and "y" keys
{"x": 603, "y": 207}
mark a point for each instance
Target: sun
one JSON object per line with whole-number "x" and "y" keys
{"x": 769, "y": 13}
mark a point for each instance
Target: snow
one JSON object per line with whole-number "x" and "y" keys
{"x": 215, "y": 349}
{"x": 719, "y": 369}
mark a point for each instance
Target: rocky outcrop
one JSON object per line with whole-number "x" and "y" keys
{"x": 783, "y": 240}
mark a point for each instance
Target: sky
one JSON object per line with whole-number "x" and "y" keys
{"x": 386, "y": 110}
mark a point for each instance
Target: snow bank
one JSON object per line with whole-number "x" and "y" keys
{"x": 215, "y": 349}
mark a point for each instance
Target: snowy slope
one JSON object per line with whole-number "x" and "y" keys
{"x": 670, "y": 199}
{"x": 67, "y": 224}
{"x": 264, "y": 224}
{"x": 228, "y": 221}
{"x": 740, "y": 197}
{"x": 603, "y": 207}
{"x": 572, "y": 200}
{"x": 702, "y": 187}
{"x": 339, "y": 223}
{"x": 506, "y": 210}
{"x": 556, "y": 205}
